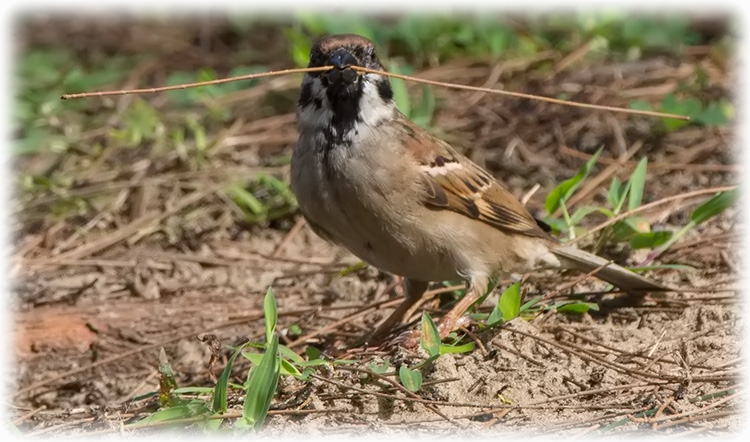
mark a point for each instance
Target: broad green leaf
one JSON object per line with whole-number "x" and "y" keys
{"x": 465, "y": 348}
{"x": 261, "y": 386}
{"x": 220, "y": 392}
{"x": 312, "y": 352}
{"x": 411, "y": 379}
{"x": 270, "y": 312}
{"x": 510, "y": 301}
{"x": 637, "y": 182}
{"x": 714, "y": 206}
{"x": 649, "y": 240}
{"x": 430, "y": 337}
{"x": 564, "y": 190}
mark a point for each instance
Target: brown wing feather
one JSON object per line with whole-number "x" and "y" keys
{"x": 453, "y": 182}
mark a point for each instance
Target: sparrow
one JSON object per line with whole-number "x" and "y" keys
{"x": 369, "y": 179}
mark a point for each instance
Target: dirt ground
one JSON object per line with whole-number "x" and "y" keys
{"x": 96, "y": 296}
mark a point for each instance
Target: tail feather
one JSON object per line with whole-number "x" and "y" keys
{"x": 573, "y": 258}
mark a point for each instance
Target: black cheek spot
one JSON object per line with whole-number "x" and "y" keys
{"x": 318, "y": 103}
{"x": 385, "y": 91}
{"x": 439, "y": 161}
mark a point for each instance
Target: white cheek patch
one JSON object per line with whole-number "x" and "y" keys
{"x": 372, "y": 110}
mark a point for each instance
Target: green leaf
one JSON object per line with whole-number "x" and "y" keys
{"x": 194, "y": 408}
{"x": 565, "y": 190}
{"x": 637, "y": 183}
{"x": 626, "y": 228}
{"x": 530, "y": 303}
{"x": 379, "y": 368}
{"x": 649, "y": 240}
{"x": 613, "y": 195}
{"x": 261, "y": 386}
{"x": 717, "y": 113}
{"x": 290, "y": 354}
{"x": 270, "y": 312}
{"x": 314, "y": 363}
{"x": 288, "y": 368}
{"x": 220, "y": 392}
{"x": 446, "y": 349}
{"x": 584, "y": 211}
{"x": 690, "y": 107}
{"x": 245, "y": 200}
{"x": 577, "y": 307}
{"x": 352, "y": 268}
{"x": 411, "y": 379}
{"x": 312, "y": 352}
{"x": 295, "y": 330}
{"x": 714, "y": 206}
{"x": 193, "y": 390}
{"x": 430, "y": 337}
{"x": 510, "y": 302}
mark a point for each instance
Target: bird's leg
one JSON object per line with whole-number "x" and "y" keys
{"x": 454, "y": 319}
{"x": 414, "y": 291}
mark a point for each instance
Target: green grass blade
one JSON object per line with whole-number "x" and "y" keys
{"x": 270, "y": 312}
{"x": 564, "y": 190}
{"x": 714, "y": 206}
{"x": 194, "y": 408}
{"x": 577, "y": 307}
{"x": 430, "y": 337}
{"x": 220, "y": 392}
{"x": 613, "y": 195}
{"x": 637, "y": 183}
{"x": 261, "y": 386}
{"x": 446, "y": 349}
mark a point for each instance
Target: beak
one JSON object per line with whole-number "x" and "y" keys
{"x": 342, "y": 59}
{"x": 343, "y": 74}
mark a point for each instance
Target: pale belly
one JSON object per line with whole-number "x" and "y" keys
{"x": 384, "y": 239}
